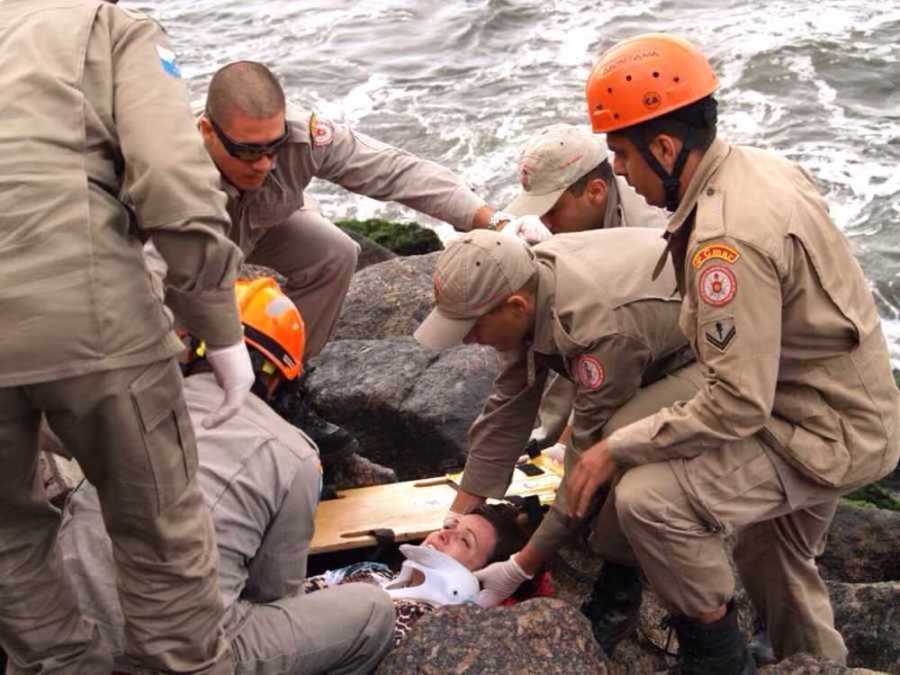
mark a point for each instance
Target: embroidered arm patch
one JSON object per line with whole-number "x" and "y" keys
{"x": 720, "y": 333}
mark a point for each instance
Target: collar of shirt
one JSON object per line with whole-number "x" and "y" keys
{"x": 613, "y": 217}
{"x": 707, "y": 168}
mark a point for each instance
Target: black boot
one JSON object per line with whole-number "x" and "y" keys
{"x": 614, "y": 605}
{"x": 717, "y": 648}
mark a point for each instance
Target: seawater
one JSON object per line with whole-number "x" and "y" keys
{"x": 465, "y": 83}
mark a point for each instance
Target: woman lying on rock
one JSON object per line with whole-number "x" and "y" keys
{"x": 442, "y": 570}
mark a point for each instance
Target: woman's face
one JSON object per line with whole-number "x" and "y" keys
{"x": 470, "y": 543}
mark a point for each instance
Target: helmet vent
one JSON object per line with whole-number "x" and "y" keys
{"x": 655, "y": 74}
{"x": 628, "y": 78}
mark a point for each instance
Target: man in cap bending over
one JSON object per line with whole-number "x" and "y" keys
{"x": 581, "y": 305}
{"x": 568, "y": 185}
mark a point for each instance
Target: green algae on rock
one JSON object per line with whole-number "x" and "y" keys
{"x": 401, "y": 238}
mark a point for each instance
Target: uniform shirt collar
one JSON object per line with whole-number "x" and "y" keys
{"x": 712, "y": 160}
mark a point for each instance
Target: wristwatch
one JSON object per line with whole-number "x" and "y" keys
{"x": 498, "y": 219}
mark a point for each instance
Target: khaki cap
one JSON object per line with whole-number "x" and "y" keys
{"x": 472, "y": 277}
{"x": 550, "y": 162}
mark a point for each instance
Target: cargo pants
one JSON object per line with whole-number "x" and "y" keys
{"x": 129, "y": 430}
{"x": 318, "y": 260}
{"x": 672, "y": 517}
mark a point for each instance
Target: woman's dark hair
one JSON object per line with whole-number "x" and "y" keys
{"x": 510, "y": 535}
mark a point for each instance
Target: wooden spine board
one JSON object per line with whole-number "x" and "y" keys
{"x": 411, "y": 509}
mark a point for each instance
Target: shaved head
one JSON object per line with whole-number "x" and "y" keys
{"x": 245, "y": 87}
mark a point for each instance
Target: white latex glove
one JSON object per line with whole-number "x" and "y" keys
{"x": 452, "y": 519}
{"x": 234, "y": 373}
{"x": 527, "y": 228}
{"x": 557, "y": 452}
{"x": 499, "y": 580}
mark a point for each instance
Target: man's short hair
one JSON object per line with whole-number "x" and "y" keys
{"x": 603, "y": 171}
{"x": 246, "y": 87}
{"x": 697, "y": 121}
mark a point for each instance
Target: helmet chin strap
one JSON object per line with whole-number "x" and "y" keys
{"x": 671, "y": 181}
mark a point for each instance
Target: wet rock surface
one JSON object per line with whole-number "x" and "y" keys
{"x": 409, "y": 409}
{"x": 863, "y": 545}
{"x": 536, "y": 636}
{"x": 370, "y": 253}
{"x": 389, "y": 299}
{"x": 868, "y": 617}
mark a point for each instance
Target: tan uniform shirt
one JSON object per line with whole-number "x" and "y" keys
{"x": 780, "y": 315}
{"x": 601, "y": 322}
{"x": 322, "y": 149}
{"x": 260, "y": 477}
{"x": 84, "y": 118}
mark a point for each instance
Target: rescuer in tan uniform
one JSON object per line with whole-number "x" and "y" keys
{"x": 582, "y": 305}
{"x": 799, "y": 405}
{"x": 267, "y": 155}
{"x": 261, "y": 478}
{"x": 568, "y": 185}
{"x": 92, "y": 105}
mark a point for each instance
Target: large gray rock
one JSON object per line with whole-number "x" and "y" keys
{"x": 410, "y": 409}
{"x": 370, "y": 253}
{"x": 389, "y": 299}
{"x": 868, "y": 617}
{"x": 862, "y": 545}
{"x": 805, "y": 664}
{"x": 538, "y": 636}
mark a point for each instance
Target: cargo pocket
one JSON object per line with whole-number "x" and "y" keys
{"x": 167, "y": 432}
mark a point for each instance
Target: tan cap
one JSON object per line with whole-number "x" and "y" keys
{"x": 550, "y": 162}
{"x": 472, "y": 277}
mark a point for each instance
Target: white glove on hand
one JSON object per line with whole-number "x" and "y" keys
{"x": 234, "y": 373}
{"x": 499, "y": 580}
{"x": 452, "y": 519}
{"x": 527, "y": 228}
{"x": 557, "y": 452}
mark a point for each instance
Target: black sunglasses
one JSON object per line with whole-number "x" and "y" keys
{"x": 249, "y": 152}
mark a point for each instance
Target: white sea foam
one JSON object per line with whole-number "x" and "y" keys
{"x": 466, "y": 83}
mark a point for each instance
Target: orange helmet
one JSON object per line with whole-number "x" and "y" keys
{"x": 272, "y": 324}
{"x": 645, "y": 77}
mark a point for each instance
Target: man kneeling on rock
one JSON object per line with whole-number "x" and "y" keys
{"x": 261, "y": 479}
{"x": 582, "y": 305}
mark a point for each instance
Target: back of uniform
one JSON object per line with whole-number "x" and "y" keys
{"x": 89, "y": 90}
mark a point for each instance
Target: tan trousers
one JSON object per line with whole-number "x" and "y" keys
{"x": 340, "y": 630}
{"x": 672, "y": 517}
{"x": 130, "y": 432}
{"x": 318, "y": 260}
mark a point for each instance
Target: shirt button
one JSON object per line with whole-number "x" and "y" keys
{"x": 710, "y": 192}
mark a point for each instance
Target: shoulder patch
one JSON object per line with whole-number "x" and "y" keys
{"x": 321, "y": 132}
{"x": 717, "y": 251}
{"x": 717, "y": 285}
{"x": 168, "y": 60}
{"x": 720, "y": 333}
{"x": 590, "y": 372}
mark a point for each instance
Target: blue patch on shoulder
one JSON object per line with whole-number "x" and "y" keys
{"x": 171, "y": 68}
{"x": 168, "y": 60}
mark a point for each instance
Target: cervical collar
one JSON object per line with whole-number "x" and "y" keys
{"x": 447, "y": 582}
